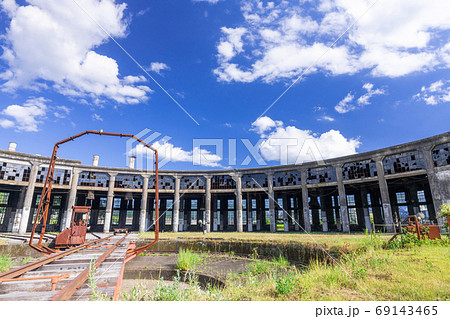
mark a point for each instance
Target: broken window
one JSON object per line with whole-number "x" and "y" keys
{"x": 129, "y": 181}
{"x": 93, "y": 179}
{"x": 164, "y": 181}
{"x": 192, "y": 182}
{"x": 321, "y": 175}
{"x": 14, "y": 172}
{"x": 222, "y": 182}
{"x": 360, "y": 169}
{"x": 290, "y": 178}
{"x": 441, "y": 154}
{"x": 60, "y": 176}
{"x": 254, "y": 180}
{"x": 403, "y": 162}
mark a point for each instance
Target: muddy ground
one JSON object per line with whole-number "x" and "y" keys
{"x": 213, "y": 269}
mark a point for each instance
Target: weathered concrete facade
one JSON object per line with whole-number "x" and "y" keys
{"x": 347, "y": 194}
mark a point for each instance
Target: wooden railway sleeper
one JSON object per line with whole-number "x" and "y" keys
{"x": 54, "y": 279}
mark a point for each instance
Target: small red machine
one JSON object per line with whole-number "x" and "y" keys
{"x": 76, "y": 233}
{"x": 414, "y": 227}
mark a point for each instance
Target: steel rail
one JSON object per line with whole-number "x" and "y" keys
{"x": 68, "y": 291}
{"x": 28, "y": 267}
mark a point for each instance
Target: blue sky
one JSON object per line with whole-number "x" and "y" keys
{"x": 384, "y": 82}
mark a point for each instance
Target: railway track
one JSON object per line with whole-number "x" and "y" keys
{"x": 65, "y": 275}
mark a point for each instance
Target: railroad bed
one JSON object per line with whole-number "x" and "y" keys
{"x": 67, "y": 273}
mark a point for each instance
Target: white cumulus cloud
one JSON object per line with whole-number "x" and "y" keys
{"x": 282, "y": 39}
{"x": 437, "y": 92}
{"x": 52, "y": 44}
{"x": 347, "y": 105}
{"x": 158, "y": 67}
{"x": 26, "y": 117}
{"x": 171, "y": 153}
{"x": 289, "y": 144}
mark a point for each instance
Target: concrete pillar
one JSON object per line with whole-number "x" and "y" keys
{"x": 238, "y": 191}
{"x": 27, "y": 203}
{"x": 305, "y": 202}
{"x": 385, "y": 201}
{"x": 176, "y": 205}
{"x": 365, "y": 207}
{"x": 109, "y": 202}
{"x": 273, "y": 225}
{"x": 208, "y": 204}
{"x": 296, "y": 215}
{"x": 440, "y": 191}
{"x": 67, "y": 218}
{"x": 143, "y": 213}
{"x": 342, "y": 200}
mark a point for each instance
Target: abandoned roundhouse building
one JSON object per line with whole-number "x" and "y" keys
{"x": 376, "y": 189}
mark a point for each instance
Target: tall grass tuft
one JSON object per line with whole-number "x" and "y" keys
{"x": 187, "y": 260}
{"x": 5, "y": 263}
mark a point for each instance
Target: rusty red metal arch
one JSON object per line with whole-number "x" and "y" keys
{"x": 44, "y": 203}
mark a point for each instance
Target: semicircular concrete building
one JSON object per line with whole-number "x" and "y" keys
{"x": 376, "y": 189}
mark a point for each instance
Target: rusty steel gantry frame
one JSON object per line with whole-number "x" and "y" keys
{"x": 44, "y": 203}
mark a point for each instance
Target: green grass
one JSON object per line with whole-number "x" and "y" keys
{"x": 409, "y": 271}
{"x": 417, "y": 273}
{"x": 187, "y": 260}
{"x": 5, "y": 263}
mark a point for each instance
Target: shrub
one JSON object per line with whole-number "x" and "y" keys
{"x": 445, "y": 212}
{"x": 138, "y": 293}
{"x": 285, "y": 284}
{"x": 409, "y": 239}
{"x": 173, "y": 292}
